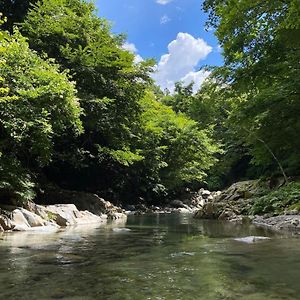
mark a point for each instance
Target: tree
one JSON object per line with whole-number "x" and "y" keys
{"x": 38, "y": 104}
{"x": 174, "y": 147}
{"x": 262, "y": 65}
{"x": 109, "y": 83}
{"x": 15, "y": 11}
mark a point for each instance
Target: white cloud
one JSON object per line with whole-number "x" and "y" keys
{"x": 164, "y": 19}
{"x": 196, "y": 77}
{"x": 179, "y": 64}
{"x": 129, "y": 47}
{"x": 163, "y": 2}
{"x": 132, "y": 48}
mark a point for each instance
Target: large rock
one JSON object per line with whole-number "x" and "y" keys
{"x": 284, "y": 222}
{"x": 19, "y": 220}
{"x": 33, "y": 220}
{"x": 68, "y": 214}
{"x": 83, "y": 201}
{"x": 6, "y": 223}
{"x": 51, "y": 216}
{"x": 179, "y": 204}
{"x": 208, "y": 211}
{"x": 231, "y": 203}
{"x": 242, "y": 190}
{"x": 252, "y": 239}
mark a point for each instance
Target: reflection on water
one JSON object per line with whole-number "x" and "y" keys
{"x": 160, "y": 257}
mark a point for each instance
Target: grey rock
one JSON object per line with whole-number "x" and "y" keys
{"x": 251, "y": 239}
{"x": 177, "y": 204}
{"x": 121, "y": 229}
{"x": 32, "y": 219}
{"x": 6, "y": 223}
{"x": 292, "y": 212}
{"x": 18, "y": 219}
{"x": 208, "y": 211}
{"x": 205, "y": 193}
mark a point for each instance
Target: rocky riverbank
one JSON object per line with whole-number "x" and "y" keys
{"x": 93, "y": 209}
{"x": 237, "y": 203}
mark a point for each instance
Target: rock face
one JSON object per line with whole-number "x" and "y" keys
{"x": 242, "y": 190}
{"x": 234, "y": 203}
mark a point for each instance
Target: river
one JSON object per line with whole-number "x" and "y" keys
{"x": 150, "y": 257}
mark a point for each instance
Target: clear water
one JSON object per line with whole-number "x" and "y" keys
{"x": 161, "y": 257}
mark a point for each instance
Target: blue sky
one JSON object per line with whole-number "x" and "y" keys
{"x": 171, "y": 31}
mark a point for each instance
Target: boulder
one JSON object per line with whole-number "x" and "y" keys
{"x": 6, "y": 223}
{"x": 83, "y": 201}
{"x": 130, "y": 207}
{"x": 37, "y": 209}
{"x": 177, "y": 203}
{"x": 33, "y": 219}
{"x": 251, "y": 239}
{"x": 242, "y": 190}
{"x": 283, "y": 222}
{"x": 62, "y": 214}
{"x": 205, "y": 194}
{"x": 19, "y": 220}
{"x": 68, "y": 214}
{"x": 21, "y": 227}
{"x": 208, "y": 211}
{"x": 184, "y": 210}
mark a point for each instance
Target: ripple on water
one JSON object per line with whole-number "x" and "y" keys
{"x": 165, "y": 257}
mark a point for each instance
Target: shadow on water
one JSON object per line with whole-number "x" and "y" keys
{"x": 150, "y": 257}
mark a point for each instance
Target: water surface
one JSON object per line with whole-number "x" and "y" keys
{"x": 156, "y": 257}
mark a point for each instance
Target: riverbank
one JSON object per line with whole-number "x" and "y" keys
{"x": 52, "y": 217}
{"x": 255, "y": 202}
{"x": 250, "y": 202}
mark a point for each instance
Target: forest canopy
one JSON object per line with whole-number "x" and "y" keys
{"x": 77, "y": 111}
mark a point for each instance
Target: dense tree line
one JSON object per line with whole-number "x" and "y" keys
{"x": 77, "y": 111}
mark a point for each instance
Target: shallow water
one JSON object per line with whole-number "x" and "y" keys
{"x": 155, "y": 257}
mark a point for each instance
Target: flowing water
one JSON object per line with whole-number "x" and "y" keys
{"x": 150, "y": 257}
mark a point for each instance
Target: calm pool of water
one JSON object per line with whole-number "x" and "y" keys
{"x": 160, "y": 257}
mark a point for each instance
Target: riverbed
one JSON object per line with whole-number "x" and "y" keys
{"x": 170, "y": 257}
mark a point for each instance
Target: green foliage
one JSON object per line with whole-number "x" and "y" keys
{"x": 110, "y": 85}
{"x": 16, "y": 183}
{"x": 174, "y": 145}
{"x": 119, "y": 131}
{"x": 262, "y": 65}
{"x": 37, "y": 105}
{"x": 276, "y": 202}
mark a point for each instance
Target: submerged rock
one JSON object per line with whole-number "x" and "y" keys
{"x": 251, "y": 239}
{"x": 121, "y": 229}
